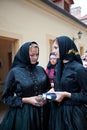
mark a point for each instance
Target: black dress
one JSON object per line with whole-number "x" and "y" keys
{"x": 24, "y": 82}
{"x": 71, "y": 114}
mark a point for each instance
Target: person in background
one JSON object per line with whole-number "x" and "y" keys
{"x": 50, "y": 67}
{"x": 85, "y": 60}
{"x": 25, "y": 81}
{"x": 69, "y": 109}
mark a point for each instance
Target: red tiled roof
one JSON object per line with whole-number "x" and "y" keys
{"x": 71, "y": 1}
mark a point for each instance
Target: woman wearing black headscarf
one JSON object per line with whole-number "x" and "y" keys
{"x": 24, "y": 83}
{"x": 50, "y": 68}
{"x": 69, "y": 110}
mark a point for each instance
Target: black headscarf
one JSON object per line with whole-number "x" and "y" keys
{"x": 22, "y": 58}
{"x": 68, "y": 51}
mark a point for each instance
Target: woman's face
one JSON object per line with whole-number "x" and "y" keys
{"x": 53, "y": 61}
{"x": 34, "y": 54}
{"x": 55, "y": 49}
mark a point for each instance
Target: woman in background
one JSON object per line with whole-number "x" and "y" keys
{"x": 50, "y": 68}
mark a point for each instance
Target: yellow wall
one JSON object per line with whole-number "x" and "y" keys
{"x": 29, "y": 20}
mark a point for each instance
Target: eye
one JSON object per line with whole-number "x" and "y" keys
{"x": 32, "y": 55}
{"x": 55, "y": 47}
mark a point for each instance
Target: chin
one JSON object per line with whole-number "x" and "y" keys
{"x": 33, "y": 63}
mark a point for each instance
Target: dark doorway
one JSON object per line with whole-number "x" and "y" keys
{"x": 6, "y": 56}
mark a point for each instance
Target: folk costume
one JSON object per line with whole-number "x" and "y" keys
{"x": 24, "y": 80}
{"x": 71, "y": 113}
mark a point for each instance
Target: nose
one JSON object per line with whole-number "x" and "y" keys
{"x": 53, "y": 51}
{"x": 35, "y": 57}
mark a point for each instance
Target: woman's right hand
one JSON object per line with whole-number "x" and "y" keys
{"x": 30, "y": 100}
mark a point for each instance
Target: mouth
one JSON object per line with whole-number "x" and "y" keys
{"x": 33, "y": 62}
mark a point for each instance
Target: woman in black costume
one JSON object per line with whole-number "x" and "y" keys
{"x": 50, "y": 67}
{"x": 69, "y": 110}
{"x": 24, "y": 83}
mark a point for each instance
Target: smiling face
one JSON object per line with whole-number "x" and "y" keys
{"x": 55, "y": 49}
{"x": 34, "y": 54}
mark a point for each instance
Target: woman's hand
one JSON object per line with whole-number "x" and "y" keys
{"x": 30, "y": 100}
{"x": 33, "y": 101}
{"x": 62, "y": 95}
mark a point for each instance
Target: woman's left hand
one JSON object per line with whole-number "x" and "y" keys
{"x": 62, "y": 95}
